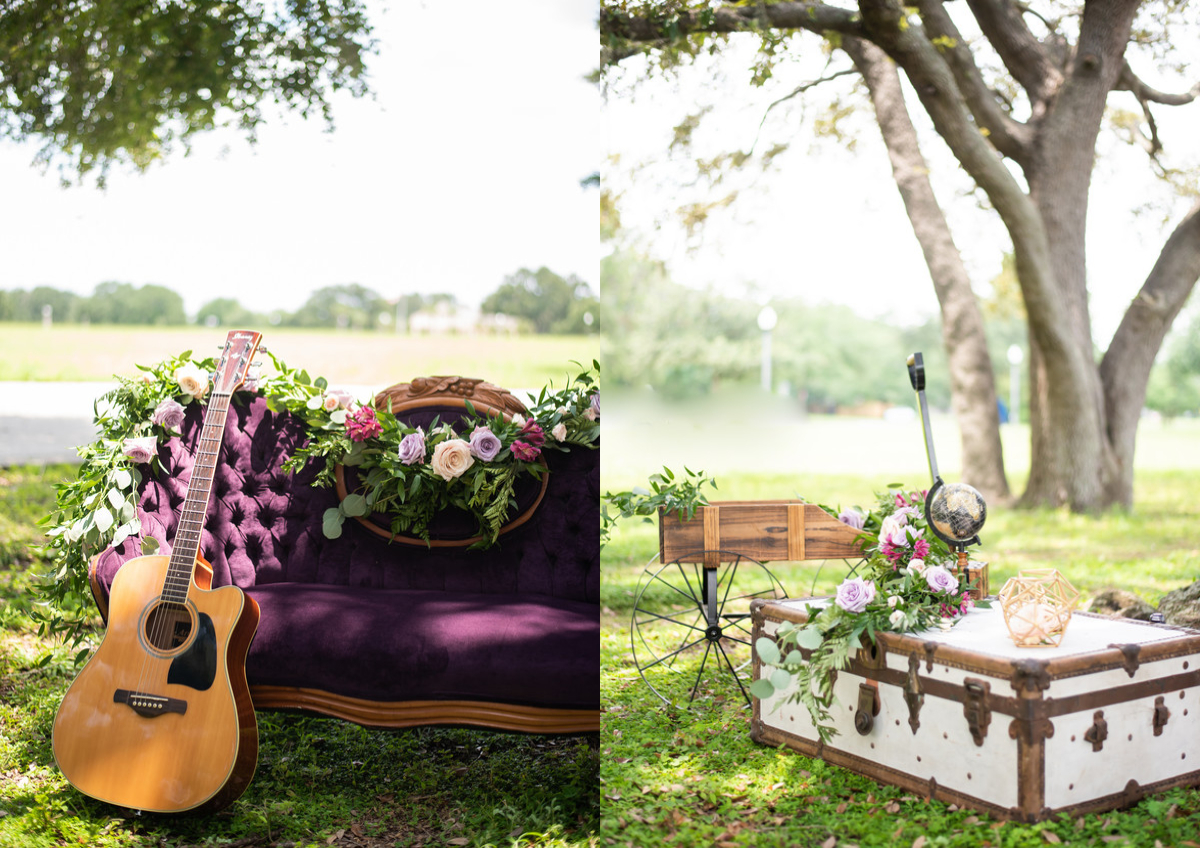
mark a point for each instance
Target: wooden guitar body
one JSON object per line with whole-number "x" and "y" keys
{"x": 160, "y": 718}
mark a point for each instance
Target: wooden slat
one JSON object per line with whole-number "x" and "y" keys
{"x": 712, "y": 536}
{"x": 795, "y": 520}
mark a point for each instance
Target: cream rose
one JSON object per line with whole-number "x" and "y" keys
{"x": 192, "y": 381}
{"x": 559, "y": 432}
{"x": 451, "y": 458}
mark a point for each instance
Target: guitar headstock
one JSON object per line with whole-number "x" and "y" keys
{"x": 234, "y": 364}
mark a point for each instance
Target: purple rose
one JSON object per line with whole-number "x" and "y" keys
{"x": 940, "y": 580}
{"x": 484, "y": 444}
{"x": 596, "y": 404}
{"x": 412, "y": 448}
{"x": 141, "y": 450}
{"x": 853, "y": 518}
{"x": 854, "y": 595}
{"x": 168, "y": 414}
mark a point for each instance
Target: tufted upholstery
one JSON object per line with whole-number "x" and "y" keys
{"x": 365, "y": 618}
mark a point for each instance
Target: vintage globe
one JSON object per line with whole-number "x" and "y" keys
{"x": 957, "y": 513}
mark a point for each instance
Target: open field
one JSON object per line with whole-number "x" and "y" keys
{"x": 96, "y": 353}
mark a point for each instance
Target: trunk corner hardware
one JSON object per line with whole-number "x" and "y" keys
{"x": 1130, "y": 653}
{"x": 1161, "y": 715}
{"x": 868, "y": 708}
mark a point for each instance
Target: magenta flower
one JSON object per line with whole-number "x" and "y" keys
{"x": 533, "y": 433}
{"x": 362, "y": 424}
{"x": 920, "y": 549}
{"x": 524, "y": 452}
{"x": 168, "y": 414}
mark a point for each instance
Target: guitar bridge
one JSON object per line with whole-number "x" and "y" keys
{"x": 149, "y": 706}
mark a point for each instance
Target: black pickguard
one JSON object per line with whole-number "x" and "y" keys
{"x": 197, "y": 666}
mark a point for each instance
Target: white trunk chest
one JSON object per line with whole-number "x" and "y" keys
{"x": 964, "y": 716}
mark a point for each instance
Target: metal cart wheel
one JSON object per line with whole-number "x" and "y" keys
{"x": 689, "y": 618}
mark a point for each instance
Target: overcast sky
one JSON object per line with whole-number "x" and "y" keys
{"x": 464, "y": 167}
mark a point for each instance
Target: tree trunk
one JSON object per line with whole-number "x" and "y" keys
{"x": 1072, "y": 459}
{"x": 972, "y": 381}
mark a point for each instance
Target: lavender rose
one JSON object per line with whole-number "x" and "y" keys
{"x": 595, "y": 405}
{"x": 168, "y": 414}
{"x": 852, "y": 518}
{"x": 412, "y": 448}
{"x": 451, "y": 458}
{"x": 940, "y": 580}
{"x": 484, "y": 444}
{"x": 854, "y": 595}
{"x": 141, "y": 450}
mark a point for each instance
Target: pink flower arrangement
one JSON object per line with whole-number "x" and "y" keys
{"x": 362, "y": 424}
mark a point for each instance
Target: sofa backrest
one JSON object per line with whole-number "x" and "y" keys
{"x": 264, "y": 526}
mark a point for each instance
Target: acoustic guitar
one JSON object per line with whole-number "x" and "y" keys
{"x": 160, "y": 718}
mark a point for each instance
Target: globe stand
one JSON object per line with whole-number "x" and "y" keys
{"x": 954, "y": 513}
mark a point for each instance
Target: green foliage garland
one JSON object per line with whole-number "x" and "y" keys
{"x": 98, "y": 508}
{"x": 906, "y": 587}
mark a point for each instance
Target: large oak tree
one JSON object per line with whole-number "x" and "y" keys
{"x": 98, "y": 82}
{"x": 1026, "y": 132}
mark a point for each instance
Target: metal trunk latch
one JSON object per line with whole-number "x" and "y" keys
{"x": 1161, "y": 715}
{"x": 975, "y": 707}
{"x": 868, "y": 708}
{"x": 913, "y": 696}
{"x": 1098, "y": 732}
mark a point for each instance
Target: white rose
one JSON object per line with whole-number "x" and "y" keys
{"x": 894, "y": 600}
{"x": 192, "y": 381}
{"x": 559, "y": 432}
{"x": 518, "y": 420}
{"x": 451, "y": 458}
{"x": 896, "y": 619}
{"x": 916, "y": 566}
{"x": 330, "y": 403}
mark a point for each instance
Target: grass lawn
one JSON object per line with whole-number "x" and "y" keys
{"x": 692, "y": 776}
{"x": 79, "y": 353}
{"x": 319, "y": 782}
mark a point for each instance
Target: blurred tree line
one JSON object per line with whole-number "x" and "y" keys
{"x": 828, "y": 356}
{"x": 541, "y": 301}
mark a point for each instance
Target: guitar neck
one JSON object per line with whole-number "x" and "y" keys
{"x": 191, "y": 519}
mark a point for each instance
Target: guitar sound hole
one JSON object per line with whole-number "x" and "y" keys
{"x": 168, "y": 626}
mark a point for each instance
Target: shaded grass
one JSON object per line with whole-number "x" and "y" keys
{"x": 319, "y": 781}
{"x": 82, "y": 353}
{"x": 693, "y": 776}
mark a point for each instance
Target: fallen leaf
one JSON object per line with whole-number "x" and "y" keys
{"x": 841, "y": 808}
{"x": 1052, "y": 838}
{"x": 971, "y": 820}
{"x": 1171, "y": 811}
{"x": 830, "y": 842}
{"x": 458, "y": 840}
{"x": 335, "y": 837}
{"x": 893, "y": 807}
{"x": 953, "y": 808}
{"x": 919, "y": 842}
{"x": 896, "y": 835}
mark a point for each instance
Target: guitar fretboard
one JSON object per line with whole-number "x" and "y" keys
{"x": 191, "y": 519}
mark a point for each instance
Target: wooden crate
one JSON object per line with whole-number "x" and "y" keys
{"x": 783, "y": 530}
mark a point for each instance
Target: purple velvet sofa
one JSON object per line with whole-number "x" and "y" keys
{"x": 383, "y": 632}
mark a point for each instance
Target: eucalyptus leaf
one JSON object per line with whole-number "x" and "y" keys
{"x": 354, "y": 505}
{"x": 331, "y": 523}
{"x": 116, "y": 498}
{"x": 809, "y": 638}
{"x": 122, "y": 478}
{"x": 768, "y": 651}
{"x": 103, "y": 519}
{"x": 149, "y": 545}
{"x": 762, "y": 688}
{"x": 780, "y": 679}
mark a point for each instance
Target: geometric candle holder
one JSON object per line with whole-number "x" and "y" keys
{"x": 1037, "y": 606}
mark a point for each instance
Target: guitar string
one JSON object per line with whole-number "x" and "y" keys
{"x": 180, "y": 575}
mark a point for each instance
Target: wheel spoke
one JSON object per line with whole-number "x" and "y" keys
{"x": 672, "y": 654}
{"x": 737, "y": 677}
{"x": 700, "y": 673}
{"x": 664, "y": 618}
{"x": 691, "y": 596}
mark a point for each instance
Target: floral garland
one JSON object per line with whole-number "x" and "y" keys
{"x": 906, "y": 588}
{"x": 410, "y": 474}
